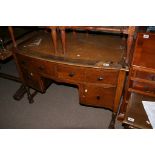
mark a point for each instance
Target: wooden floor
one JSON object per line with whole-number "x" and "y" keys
{"x": 86, "y": 47}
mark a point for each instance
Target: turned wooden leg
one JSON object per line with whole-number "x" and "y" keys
{"x": 54, "y": 37}
{"x": 63, "y": 39}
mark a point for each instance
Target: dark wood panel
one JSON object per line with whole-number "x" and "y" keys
{"x": 144, "y": 50}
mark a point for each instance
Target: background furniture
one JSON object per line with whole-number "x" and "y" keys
{"x": 141, "y": 81}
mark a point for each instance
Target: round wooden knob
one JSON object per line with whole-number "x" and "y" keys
{"x": 71, "y": 74}
{"x": 98, "y": 97}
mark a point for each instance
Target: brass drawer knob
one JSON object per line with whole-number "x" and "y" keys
{"x": 71, "y": 74}
{"x": 100, "y": 78}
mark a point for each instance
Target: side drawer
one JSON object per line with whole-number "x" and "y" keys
{"x": 43, "y": 67}
{"x": 70, "y": 73}
{"x": 98, "y": 96}
{"x": 32, "y": 80}
{"x": 24, "y": 61}
{"x": 38, "y": 65}
{"x": 107, "y": 76}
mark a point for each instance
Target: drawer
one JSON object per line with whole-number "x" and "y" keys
{"x": 97, "y": 96}
{"x": 70, "y": 73}
{"x": 23, "y": 61}
{"x": 43, "y": 67}
{"x": 145, "y": 87}
{"x": 144, "y": 75}
{"x": 32, "y": 80}
{"x": 38, "y": 65}
{"x": 107, "y": 76}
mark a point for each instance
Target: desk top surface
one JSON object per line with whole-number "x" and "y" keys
{"x": 93, "y": 49}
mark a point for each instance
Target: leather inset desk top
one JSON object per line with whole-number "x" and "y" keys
{"x": 82, "y": 49}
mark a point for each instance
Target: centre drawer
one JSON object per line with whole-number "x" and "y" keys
{"x": 70, "y": 73}
{"x": 107, "y": 76}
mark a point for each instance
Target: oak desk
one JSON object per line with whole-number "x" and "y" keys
{"x": 93, "y": 63}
